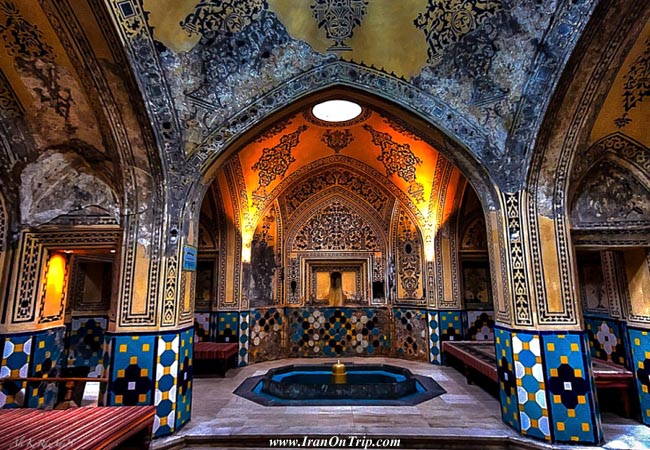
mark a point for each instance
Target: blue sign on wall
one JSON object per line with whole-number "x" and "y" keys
{"x": 189, "y": 258}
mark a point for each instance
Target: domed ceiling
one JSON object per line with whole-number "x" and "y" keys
{"x": 381, "y": 159}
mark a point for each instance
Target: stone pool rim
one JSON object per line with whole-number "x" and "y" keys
{"x": 431, "y": 388}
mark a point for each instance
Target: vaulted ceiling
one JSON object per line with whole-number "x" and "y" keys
{"x": 140, "y": 98}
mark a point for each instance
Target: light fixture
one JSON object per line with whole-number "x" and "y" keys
{"x": 336, "y": 110}
{"x": 112, "y": 250}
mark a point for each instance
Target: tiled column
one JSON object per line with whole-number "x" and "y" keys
{"x": 434, "y": 337}
{"x": 552, "y": 394}
{"x": 153, "y": 369}
{"x": 640, "y": 345}
{"x": 244, "y": 331}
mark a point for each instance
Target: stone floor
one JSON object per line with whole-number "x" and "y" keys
{"x": 221, "y": 419}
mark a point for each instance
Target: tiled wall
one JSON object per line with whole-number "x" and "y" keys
{"x": 338, "y": 332}
{"x": 85, "y": 343}
{"x": 607, "y": 339}
{"x": 640, "y": 346}
{"x": 216, "y": 326}
{"x": 266, "y": 335}
{"x": 411, "y": 334}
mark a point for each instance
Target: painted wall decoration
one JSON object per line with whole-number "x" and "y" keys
{"x": 337, "y": 226}
{"x": 337, "y": 140}
{"x": 609, "y": 196}
{"x": 35, "y": 59}
{"x": 477, "y": 289}
{"x": 214, "y": 18}
{"x": 593, "y": 292}
{"x": 409, "y": 253}
{"x": 635, "y": 88}
{"x": 398, "y": 158}
{"x": 275, "y": 161}
{"x": 339, "y": 18}
{"x": 205, "y": 287}
{"x": 445, "y": 22}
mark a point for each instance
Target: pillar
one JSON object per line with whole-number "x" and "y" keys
{"x": 546, "y": 384}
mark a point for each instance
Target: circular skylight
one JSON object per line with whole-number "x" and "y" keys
{"x": 336, "y": 110}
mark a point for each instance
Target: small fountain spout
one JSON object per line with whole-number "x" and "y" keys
{"x": 339, "y": 375}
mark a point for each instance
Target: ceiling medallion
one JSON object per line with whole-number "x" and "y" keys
{"x": 337, "y": 113}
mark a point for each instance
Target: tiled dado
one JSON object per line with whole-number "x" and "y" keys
{"x": 31, "y": 355}
{"x": 153, "y": 369}
{"x": 553, "y": 388}
{"x": 216, "y": 326}
{"x": 640, "y": 346}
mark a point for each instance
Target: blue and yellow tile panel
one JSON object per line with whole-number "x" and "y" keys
{"x": 434, "y": 337}
{"x": 202, "y": 326}
{"x": 184, "y": 379}
{"x": 227, "y": 327}
{"x": 16, "y": 354}
{"x": 86, "y": 340}
{"x": 244, "y": 332}
{"x": 531, "y": 387}
{"x": 606, "y": 340}
{"x": 450, "y": 326}
{"x": 570, "y": 389}
{"x": 411, "y": 330}
{"x": 507, "y": 379}
{"x": 640, "y": 346}
{"x": 47, "y": 347}
{"x": 132, "y": 370}
{"x": 167, "y": 353}
{"x": 480, "y": 326}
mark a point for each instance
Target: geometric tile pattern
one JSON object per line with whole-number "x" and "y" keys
{"x": 640, "y": 345}
{"x": 214, "y": 324}
{"x": 16, "y": 354}
{"x": 434, "y": 337}
{"x": 202, "y": 326}
{"x": 243, "y": 337}
{"x": 507, "y": 380}
{"x": 132, "y": 370}
{"x": 606, "y": 340}
{"x": 46, "y": 356}
{"x": 531, "y": 389}
{"x": 227, "y": 326}
{"x": 326, "y": 332}
{"x": 266, "y": 335}
{"x": 167, "y": 349}
{"x": 184, "y": 380}
{"x": 450, "y": 326}
{"x": 481, "y": 326}
{"x": 85, "y": 343}
{"x": 570, "y": 388}
{"x": 411, "y": 333}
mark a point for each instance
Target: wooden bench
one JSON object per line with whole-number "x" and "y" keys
{"x": 480, "y": 357}
{"x": 223, "y": 355}
{"x": 86, "y": 428}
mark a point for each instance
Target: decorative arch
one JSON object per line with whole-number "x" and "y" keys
{"x": 345, "y": 80}
{"x": 321, "y": 225}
